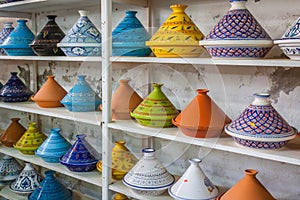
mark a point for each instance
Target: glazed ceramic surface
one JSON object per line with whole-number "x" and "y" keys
{"x": 156, "y": 110}
{"x": 261, "y": 126}
{"x": 148, "y": 177}
{"x": 237, "y": 35}
{"x": 120, "y": 196}
{"x": 9, "y": 168}
{"x": 129, "y": 37}
{"x": 13, "y": 133}
{"x": 177, "y": 37}
{"x": 50, "y": 189}
{"x": 15, "y": 90}
{"x": 53, "y": 147}
{"x": 45, "y": 43}
{"x": 81, "y": 156}
{"x": 83, "y": 39}
{"x": 17, "y": 43}
{"x": 50, "y": 94}
{"x": 7, "y": 29}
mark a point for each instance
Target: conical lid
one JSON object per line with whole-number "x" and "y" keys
{"x": 292, "y": 34}
{"x": 7, "y": 29}
{"x": 13, "y": 133}
{"x": 248, "y": 188}
{"x": 9, "y": 168}
{"x": 120, "y": 196}
{"x": 194, "y": 184}
{"x": 202, "y": 117}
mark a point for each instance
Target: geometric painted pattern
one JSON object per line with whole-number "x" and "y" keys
{"x": 259, "y": 144}
{"x": 238, "y": 52}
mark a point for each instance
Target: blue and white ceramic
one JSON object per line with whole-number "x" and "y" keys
{"x": 81, "y": 156}
{"x": 7, "y": 29}
{"x": 15, "y": 90}
{"x": 53, "y": 147}
{"x": 9, "y": 168}
{"x": 84, "y": 39}
{"x": 17, "y": 43}
{"x": 129, "y": 37}
{"x": 50, "y": 189}
{"x": 81, "y": 98}
{"x": 260, "y": 126}
{"x": 237, "y": 35}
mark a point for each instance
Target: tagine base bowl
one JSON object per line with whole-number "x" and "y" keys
{"x": 171, "y": 51}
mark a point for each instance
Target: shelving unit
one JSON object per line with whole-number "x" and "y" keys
{"x": 53, "y": 58}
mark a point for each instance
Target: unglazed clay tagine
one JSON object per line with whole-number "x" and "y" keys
{"x": 260, "y": 126}
{"x": 9, "y": 168}
{"x": 237, "y": 35}
{"x": 13, "y": 133}
{"x": 7, "y": 29}
{"x": 177, "y": 37}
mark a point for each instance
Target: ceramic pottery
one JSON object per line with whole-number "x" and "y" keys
{"x": 129, "y": 37}
{"x": 202, "y": 117}
{"x": 148, "y": 177}
{"x": 27, "y": 181}
{"x": 156, "y": 110}
{"x": 15, "y": 90}
{"x": 122, "y": 160}
{"x": 81, "y": 156}
{"x": 50, "y": 189}
{"x": 81, "y": 98}
{"x": 260, "y": 126}
{"x": 237, "y": 35}
{"x": 31, "y": 140}
{"x": 194, "y": 184}
{"x": 13, "y": 133}
{"x": 53, "y": 147}
{"x": 124, "y": 100}
{"x": 7, "y": 29}
{"x": 1, "y": 85}
{"x": 120, "y": 196}
{"x": 9, "y": 168}
{"x": 50, "y": 94}
{"x": 83, "y": 39}
{"x": 45, "y": 43}
{"x": 177, "y": 37}
{"x": 248, "y": 188}
{"x": 17, "y": 43}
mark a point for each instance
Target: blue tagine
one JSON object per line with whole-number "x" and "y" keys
{"x": 9, "y": 169}
{"x": 53, "y": 147}
{"x": 15, "y": 90}
{"x": 7, "y": 29}
{"x": 129, "y": 37}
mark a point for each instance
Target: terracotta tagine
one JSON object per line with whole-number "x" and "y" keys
{"x": 124, "y": 100}
{"x": 248, "y": 188}
{"x": 50, "y": 94}
{"x": 9, "y": 168}
{"x": 194, "y": 184}
{"x": 202, "y": 117}
{"x": 7, "y": 29}
{"x": 122, "y": 160}
{"x": 260, "y": 126}
{"x": 237, "y": 35}
{"x": 156, "y": 110}
{"x": 177, "y": 37}
{"x": 13, "y": 133}
{"x": 31, "y": 140}
{"x": 45, "y": 43}
{"x": 148, "y": 177}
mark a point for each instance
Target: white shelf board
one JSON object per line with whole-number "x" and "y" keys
{"x": 289, "y": 154}
{"x": 93, "y": 177}
{"x": 53, "y": 58}
{"x": 93, "y": 118}
{"x": 8, "y": 194}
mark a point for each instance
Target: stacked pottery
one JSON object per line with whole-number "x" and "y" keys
{"x": 50, "y": 188}
{"x": 9, "y": 169}
{"x": 7, "y": 29}
{"x": 27, "y": 181}
{"x": 177, "y": 37}
{"x": 81, "y": 156}
{"x": 248, "y": 188}
{"x": 83, "y": 39}
{"x": 13, "y": 133}
{"x": 202, "y": 117}
{"x": 260, "y": 126}
{"x": 31, "y": 140}
{"x": 129, "y": 37}
{"x": 237, "y": 35}
{"x": 17, "y": 43}
{"x": 53, "y": 147}
{"x": 148, "y": 177}
{"x": 15, "y": 90}
{"x": 45, "y": 43}
{"x": 156, "y": 110}
{"x": 194, "y": 184}
{"x": 81, "y": 98}
{"x": 50, "y": 94}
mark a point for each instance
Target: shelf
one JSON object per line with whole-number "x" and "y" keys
{"x": 8, "y": 194}
{"x": 93, "y": 118}
{"x": 53, "y": 58}
{"x": 93, "y": 177}
{"x": 289, "y": 154}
